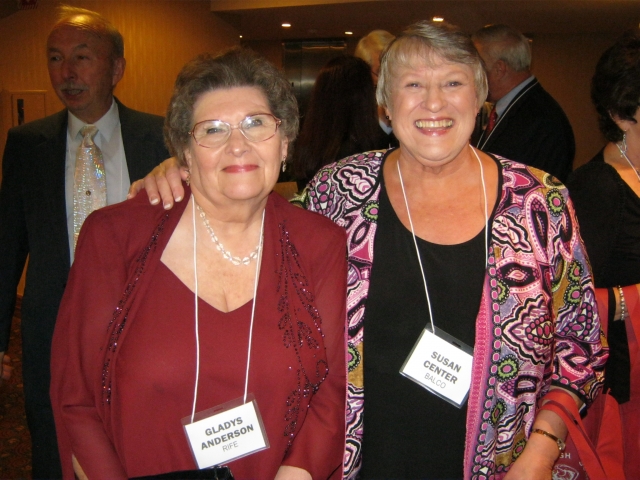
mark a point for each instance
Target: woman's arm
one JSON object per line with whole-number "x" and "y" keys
{"x": 93, "y": 290}
{"x": 292, "y": 473}
{"x": 319, "y": 445}
{"x": 542, "y": 452}
{"x": 622, "y": 302}
{"x": 577, "y": 335}
{"x": 577, "y": 323}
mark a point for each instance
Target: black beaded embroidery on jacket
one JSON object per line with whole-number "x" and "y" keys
{"x": 301, "y": 325}
{"x": 120, "y": 311}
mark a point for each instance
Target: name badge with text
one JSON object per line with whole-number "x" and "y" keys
{"x": 441, "y": 364}
{"x": 225, "y": 433}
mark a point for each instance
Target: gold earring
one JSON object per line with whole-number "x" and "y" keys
{"x": 188, "y": 180}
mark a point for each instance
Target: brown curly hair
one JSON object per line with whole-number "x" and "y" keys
{"x": 237, "y": 67}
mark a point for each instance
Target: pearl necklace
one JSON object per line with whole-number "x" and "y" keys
{"x": 225, "y": 253}
{"x": 623, "y": 152}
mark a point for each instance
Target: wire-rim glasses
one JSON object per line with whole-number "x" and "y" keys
{"x": 255, "y": 128}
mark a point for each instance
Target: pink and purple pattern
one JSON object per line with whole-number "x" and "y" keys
{"x": 537, "y": 325}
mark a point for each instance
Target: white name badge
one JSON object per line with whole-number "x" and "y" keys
{"x": 442, "y": 365}
{"x": 225, "y": 433}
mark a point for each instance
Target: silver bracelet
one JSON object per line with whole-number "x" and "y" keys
{"x": 623, "y": 304}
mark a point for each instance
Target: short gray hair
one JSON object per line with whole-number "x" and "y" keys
{"x": 237, "y": 67}
{"x": 501, "y": 42}
{"x": 93, "y": 22}
{"x": 425, "y": 39}
{"x": 372, "y": 44}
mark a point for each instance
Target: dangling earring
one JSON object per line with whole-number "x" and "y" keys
{"x": 624, "y": 142}
{"x": 188, "y": 180}
{"x": 284, "y": 164}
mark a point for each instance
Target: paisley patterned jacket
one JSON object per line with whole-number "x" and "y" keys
{"x": 537, "y": 326}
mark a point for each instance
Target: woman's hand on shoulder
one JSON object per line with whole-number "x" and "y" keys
{"x": 163, "y": 183}
{"x": 286, "y": 472}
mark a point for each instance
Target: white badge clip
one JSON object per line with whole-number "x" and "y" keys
{"x": 441, "y": 364}
{"x": 225, "y": 433}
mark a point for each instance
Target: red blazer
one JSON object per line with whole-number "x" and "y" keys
{"x": 118, "y": 251}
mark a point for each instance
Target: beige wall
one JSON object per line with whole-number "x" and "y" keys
{"x": 564, "y": 66}
{"x": 160, "y": 36}
{"x": 271, "y": 50}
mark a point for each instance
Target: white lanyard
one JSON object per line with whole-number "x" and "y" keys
{"x": 253, "y": 307}
{"x": 439, "y": 362}
{"x": 415, "y": 242}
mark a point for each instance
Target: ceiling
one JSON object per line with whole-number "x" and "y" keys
{"x": 262, "y": 19}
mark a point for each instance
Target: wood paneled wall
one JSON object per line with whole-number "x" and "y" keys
{"x": 160, "y": 36}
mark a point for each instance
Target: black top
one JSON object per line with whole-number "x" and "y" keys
{"x": 609, "y": 215}
{"x": 408, "y": 431}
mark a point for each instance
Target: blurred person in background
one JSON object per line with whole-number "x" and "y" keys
{"x": 341, "y": 119}
{"x": 606, "y": 194}
{"x": 369, "y": 49}
{"x": 526, "y": 124}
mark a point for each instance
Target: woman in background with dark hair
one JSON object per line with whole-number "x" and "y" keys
{"x": 606, "y": 195}
{"x": 342, "y": 118}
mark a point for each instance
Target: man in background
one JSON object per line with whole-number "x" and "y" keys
{"x": 42, "y": 190}
{"x": 369, "y": 49}
{"x": 526, "y": 124}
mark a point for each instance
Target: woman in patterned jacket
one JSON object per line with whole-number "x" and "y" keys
{"x": 501, "y": 267}
{"x": 479, "y": 309}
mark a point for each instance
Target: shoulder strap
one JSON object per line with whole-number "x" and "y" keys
{"x": 565, "y": 407}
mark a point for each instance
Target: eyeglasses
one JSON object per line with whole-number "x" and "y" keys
{"x": 255, "y": 128}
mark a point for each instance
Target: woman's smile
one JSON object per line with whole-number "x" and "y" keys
{"x": 434, "y": 126}
{"x": 240, "y": 168}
